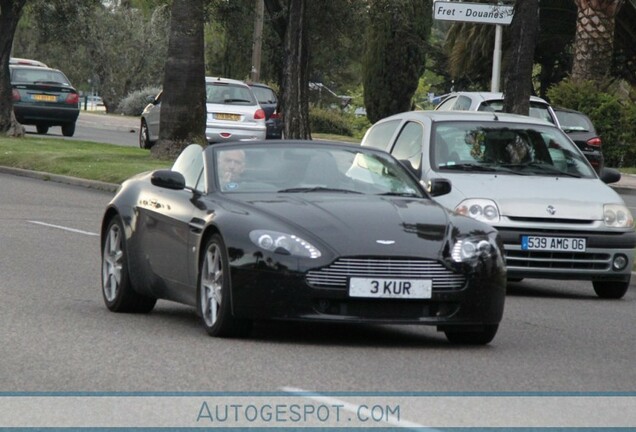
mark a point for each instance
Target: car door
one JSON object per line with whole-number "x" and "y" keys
{"x": 164, "y": 224}
{"x": 153, "y": 117}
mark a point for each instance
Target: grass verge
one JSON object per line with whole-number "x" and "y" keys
{"x": 88, "y": 160}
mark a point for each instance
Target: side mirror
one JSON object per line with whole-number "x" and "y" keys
{"x": 168, "y": 179}
{"x": 610, "y": 175}
{"x": 439, "y": 186}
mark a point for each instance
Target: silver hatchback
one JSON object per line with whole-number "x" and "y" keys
{"x": 525, "y": 177}
{"x": 233, "y": 114}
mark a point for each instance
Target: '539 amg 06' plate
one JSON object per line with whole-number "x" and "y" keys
{"x": 565, "y": 244}
{"x": 390, "y": 288}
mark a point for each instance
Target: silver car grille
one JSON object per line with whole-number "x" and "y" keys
{"x": 338, "y": 273}
{"x": 540, "y": 260}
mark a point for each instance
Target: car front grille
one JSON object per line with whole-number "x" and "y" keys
{"x": 517, "y": 258}
{"x": 336, "y": 275}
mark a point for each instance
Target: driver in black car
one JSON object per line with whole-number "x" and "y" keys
{"x": 231, "y": 166}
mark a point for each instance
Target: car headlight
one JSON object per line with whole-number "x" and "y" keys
{"x": 471, "y": 248}
{"x": 617, "y": 216}
{"x": 484, "y": 210}
{"x": 286, "y": 244}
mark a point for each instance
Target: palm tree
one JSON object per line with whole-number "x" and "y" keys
{"x": 594, "y": 40}
{"x": 183, "y": 99}
{"x": 10, "y": 12}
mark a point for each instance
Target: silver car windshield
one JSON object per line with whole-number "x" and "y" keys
{"x": 310, "y": 168}
{"x": 508, "y": 148}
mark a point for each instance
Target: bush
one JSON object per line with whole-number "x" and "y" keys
{"x": 330, "y": 122}
{"x": 613, "y": 119}
{"x": 135, "y": 102}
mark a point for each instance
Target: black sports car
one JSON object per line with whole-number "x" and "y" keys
{"x": 300, "y": 230}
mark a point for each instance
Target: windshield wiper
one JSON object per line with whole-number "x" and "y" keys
{"x": 49, "y": 82}
{"x": 468, "y": 167}
{"x": 541, "y": 166}
{"x": 482, "y": 168}
{"x": 236, "y": 100}
{"x": 316, "y": 189}
{"x": 401, "y": 194}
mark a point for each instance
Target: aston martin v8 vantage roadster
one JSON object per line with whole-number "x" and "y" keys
{"x": 300, "y": 230}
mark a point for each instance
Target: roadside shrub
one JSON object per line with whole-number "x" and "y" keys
{"x": 330, "y": 122}
{"x": 135, "y": 102}
{"x": 612, "y": 118}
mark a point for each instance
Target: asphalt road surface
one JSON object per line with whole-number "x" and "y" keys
{"x": 99, "y": 127}
{"x": 56, "y": 334}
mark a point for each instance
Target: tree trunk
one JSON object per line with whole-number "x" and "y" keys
{"x": 594, "y": 40}
{"x": 520, "y": 57}
{"x": 295, "y": 74}
{"x": 10, "y": 12}
{"x": 183, "y": 110}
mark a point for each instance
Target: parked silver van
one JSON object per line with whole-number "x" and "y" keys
{"x": 558, "y": 218}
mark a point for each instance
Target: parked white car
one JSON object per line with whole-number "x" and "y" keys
{"x": 233, "y": 114}
{"x": 524, "y": 176}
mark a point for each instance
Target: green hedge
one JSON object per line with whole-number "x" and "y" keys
{"x": 336, "y": 122}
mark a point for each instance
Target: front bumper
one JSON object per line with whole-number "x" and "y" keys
{"x": 595, "y": 263}
{"x": 266, "y": 294}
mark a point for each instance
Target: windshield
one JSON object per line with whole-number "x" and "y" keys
{"x": 537, "y": 109}
{"x": 308, "y": 168}
{"x": 506, "y": 148}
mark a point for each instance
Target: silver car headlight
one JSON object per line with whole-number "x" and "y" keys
{"x": 471, "y": 248}
{"x": 287, "y": 244}
{"x": 483, "y": 210}
{"x": 617, "y": 216}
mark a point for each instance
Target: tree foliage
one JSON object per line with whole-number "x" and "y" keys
{"x": 394, "y": 58}
{"x": 116, "y": 50}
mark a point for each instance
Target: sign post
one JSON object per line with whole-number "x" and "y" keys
{"x": 481, "y": 13}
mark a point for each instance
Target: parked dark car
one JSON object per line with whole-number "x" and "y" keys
{"x": 44, "y": 97}
{"x": 580, "y": 129}
{"x": 268, "y": 100}
{"x": 299, "y": 230}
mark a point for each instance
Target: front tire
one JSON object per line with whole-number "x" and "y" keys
{"x": 610, "y": 289}
{"x": 214, "y": 292}
{"x": 144, "y": 136}
{"x": 117, "y": 290}
{"x": 472, "y": 336}
{"x": 42, "y": 129}
{"x": 68, "y": 129}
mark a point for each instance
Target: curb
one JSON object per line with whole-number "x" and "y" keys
{"x": 91, "y": 184}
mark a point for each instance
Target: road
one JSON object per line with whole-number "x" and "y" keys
{"x": 555, "y": 336}
{"x": 99, "y": 127}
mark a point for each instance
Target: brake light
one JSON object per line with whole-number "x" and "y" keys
{"x": 15, "y": 95}
{"x": 275, "y": 115}
{"x": 72, "y": 99}
{"x": 594, "y": 142}
{"x": 259, "y": 114}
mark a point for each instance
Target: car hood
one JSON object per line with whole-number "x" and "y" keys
{"x": 530, "y": 196}
{"x": 353, "y": 224}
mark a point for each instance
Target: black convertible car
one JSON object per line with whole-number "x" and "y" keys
{"x": 300, "y": 230}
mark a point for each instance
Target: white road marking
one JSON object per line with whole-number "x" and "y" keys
{"x": 64, "y": 228}
{"x": 352, "y": 408}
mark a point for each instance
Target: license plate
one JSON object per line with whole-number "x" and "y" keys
{"x": 390, "y": 288}
{"x": 224, "y": 116}
{"x": 566, "y": 244}
{"x": 45, "y": 98}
